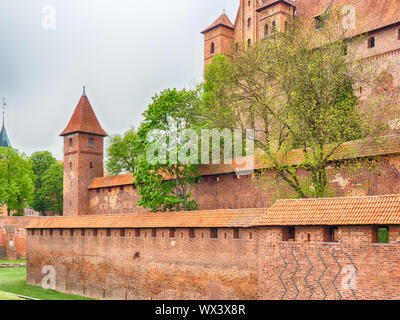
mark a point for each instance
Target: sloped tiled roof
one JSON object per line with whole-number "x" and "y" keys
{"x": 112, "y": 181}
{"x": 192, "y": 219}
{"x": 222, "y": 20}
{"x": 378, "y": 210}
{"x": 385, "y": 145}
{"x": 84, "y": 120}
{"x": 266, "y": 3}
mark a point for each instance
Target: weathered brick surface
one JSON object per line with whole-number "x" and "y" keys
{"x": 256, "y": 266}
{"x": 18, "y": 236}
{"x": 82, "y": 162}
{"x": 227, "y": 191}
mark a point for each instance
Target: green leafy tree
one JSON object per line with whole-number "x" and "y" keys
{"x": 16, "y": 180}
{"x": 123, "y": 153}
{"x": 41, "y": 162}
{"x": 165, "y": 185}
{"x": 296, "y": 89}
{"x": 52, "y": 188}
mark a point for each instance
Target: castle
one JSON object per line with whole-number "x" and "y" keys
{"x": 237, "y": 246}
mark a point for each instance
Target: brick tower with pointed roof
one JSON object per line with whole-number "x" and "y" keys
{"x": 218, "y": 38}
{"x": 83, "y": 157}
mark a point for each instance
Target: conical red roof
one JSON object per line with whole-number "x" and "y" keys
{"x": 84, "y": 120}
{"x": 222, "y": 20}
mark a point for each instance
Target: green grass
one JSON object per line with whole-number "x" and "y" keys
{"x": 8, "y": 296}
{"x": 12, "y": 280}
{"x": 13, "y": 261}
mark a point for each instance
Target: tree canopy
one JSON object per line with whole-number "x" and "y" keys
{"x": 16, "y": 180}
{"x": 164, "y": 184}
{"x": 41, "y": 161}
{"x": 296, "y": 89}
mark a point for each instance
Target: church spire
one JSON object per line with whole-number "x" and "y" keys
{"x": 4, "y": 141}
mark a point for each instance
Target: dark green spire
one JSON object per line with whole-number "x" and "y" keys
{"x": 4, "y": 141}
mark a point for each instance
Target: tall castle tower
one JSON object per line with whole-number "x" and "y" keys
{"x": 218, "y": 38}
{"x": 255, "y": 20}
{"x": 83, "y": 157}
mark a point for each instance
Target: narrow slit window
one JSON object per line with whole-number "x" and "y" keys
{"x": 212, "y": 47}
{"x": 108, "y": 233}
{"x": 154, "y": 233}
{"x": 137, "y": 233}
{"x": 371, "y": 42}
{"x": 91, "y": 142}
{"x": 122, "y": 233}
{"x": 236, "y": 234}
{"x": 172, "y": 233}
{"x": 192, "y": 234}
{"x": 94, "y": 232}
{"x": 266, "y": 31}
{"x": 213, "y": 233}
{"x": 83, "y": 232}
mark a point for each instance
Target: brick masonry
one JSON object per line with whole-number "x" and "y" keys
{"x": 228, "y": 191}
{"x": 13, "y": 228}
{"x": 259, "y": 265}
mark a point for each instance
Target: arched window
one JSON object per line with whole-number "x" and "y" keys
{"x": 249, "y": 23}
{"x": 249, "y": 42}
{"x": 212, "y": 47}
{"x": 266, "y": 31}
{"x": 273, "y": 26}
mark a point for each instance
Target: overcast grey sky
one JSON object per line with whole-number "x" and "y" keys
{"x": 124, "y": 51}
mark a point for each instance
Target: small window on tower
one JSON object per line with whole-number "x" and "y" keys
{"x": 249, "y": 2}
{"x": 266, "y": 31}
{"x": 273, "y": 26}
{"x": 319, "y": 22}
{"x": 249, "y": 23}
{"x": 371, "y": 42}
{"x": 212, "y": 47}
{"x": 91, "y": 165}
{"x": 70, "y": 142}
{"x": 91, "y": 142}
{"x": 249, "y": 43}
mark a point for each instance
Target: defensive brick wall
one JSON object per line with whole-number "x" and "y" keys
{"x": 126, "y": 264}
{"x": 13, "y": 228}
{"x": 230, "y": 191}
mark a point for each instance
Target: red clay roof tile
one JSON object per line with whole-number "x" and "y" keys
{"x": 222, "y": 20}
{"x": 84, "y": 120}
{"x": 378, "y": 210}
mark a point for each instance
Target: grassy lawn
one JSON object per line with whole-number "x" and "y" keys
{"x": 13, "y": 261}
{"x": 13, "y": 280}
{"x": 7, "y": 296}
